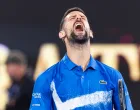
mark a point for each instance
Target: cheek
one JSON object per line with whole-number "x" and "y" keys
{"x": 87, "y": 26}
{"x": 68, "y": 30}
{"x": 12, "y": 71}
{"x": 69, "y": 26}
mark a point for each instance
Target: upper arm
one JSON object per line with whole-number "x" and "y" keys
{"x": 41, "y": 96}
{"x": 116, "y": 100}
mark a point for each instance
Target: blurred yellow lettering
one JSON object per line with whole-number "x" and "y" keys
{"x": 48, "y": 56}
{"x": 109, "y": 55}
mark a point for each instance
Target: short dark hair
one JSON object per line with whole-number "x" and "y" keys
{"x": 67, "y": 12}
{"x": 16, "y": 57}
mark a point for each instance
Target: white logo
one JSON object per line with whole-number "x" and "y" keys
{"x": 35, "y": 104}
{"x": 102, "y": 82}
{"x": 84, "y": 100}
{"x": 36, "y": 95}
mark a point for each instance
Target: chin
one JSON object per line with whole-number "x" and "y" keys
{"x": 79, "y": 38}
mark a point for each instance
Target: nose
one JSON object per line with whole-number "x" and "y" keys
{"x": 78, "y": 18}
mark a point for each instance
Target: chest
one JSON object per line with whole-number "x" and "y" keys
{"x": 74, "y": 90}
{"x": 75, "y": 83}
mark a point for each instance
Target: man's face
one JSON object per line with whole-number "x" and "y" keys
{"x": 15, "y": 71}
{"x": 76, "y": 27}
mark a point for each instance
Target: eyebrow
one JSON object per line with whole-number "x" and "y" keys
{"x": 83, "y": 16}
{"x": 73, "y": 16}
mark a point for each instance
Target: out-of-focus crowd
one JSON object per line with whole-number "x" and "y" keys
{"x": 19, "y": 90}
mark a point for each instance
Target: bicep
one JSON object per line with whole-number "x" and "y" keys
{"x": 41, "y": 96}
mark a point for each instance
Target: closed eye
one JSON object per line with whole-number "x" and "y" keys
{"x": 83, "y": 17}
{"x": 72, "y": 17}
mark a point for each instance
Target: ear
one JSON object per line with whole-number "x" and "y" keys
{"x": 91, "y": 34}
{"x": 62, "y": 34}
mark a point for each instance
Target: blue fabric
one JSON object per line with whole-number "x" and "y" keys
{"x": 65, "y": 86}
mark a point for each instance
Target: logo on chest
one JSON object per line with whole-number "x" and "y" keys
{"x": 103, "y": 82}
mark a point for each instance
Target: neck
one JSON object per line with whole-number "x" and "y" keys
{"x": 79, "y": 54}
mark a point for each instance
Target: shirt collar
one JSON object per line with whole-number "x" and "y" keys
{"x": 68, "y": 62}
{"x": 92, "y": 63}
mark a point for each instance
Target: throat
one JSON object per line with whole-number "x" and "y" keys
{"x": 79, "y": 57}
{"x": 83, "y": 62}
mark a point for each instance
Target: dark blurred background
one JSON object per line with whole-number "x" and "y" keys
{"x": 27, "y": 24}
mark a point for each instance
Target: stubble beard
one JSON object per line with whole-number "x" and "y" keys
{"x": 78, "y": 40}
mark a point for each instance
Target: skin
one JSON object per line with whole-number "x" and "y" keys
{"x": 16, "y": 71}
{"x": 77, "y": 41}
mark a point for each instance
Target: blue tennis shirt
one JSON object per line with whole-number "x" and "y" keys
{"x": 65, "y": 86}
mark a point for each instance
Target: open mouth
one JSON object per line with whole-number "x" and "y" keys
{"x": 79, "y": 27}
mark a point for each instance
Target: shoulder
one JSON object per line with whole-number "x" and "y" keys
{"x": 111, "y": 72}
{"x": 45, "y": 78}
{"x": 47, "y": 74}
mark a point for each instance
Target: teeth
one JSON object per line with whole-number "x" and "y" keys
{"x": 78, "y": 24}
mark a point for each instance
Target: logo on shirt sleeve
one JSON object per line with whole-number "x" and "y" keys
{"x": 36, "y": 95}
{"x": 35, "y": 104}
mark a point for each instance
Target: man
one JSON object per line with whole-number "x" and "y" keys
{"x": 78, "y": 81}
{"x": 20, "y": 91}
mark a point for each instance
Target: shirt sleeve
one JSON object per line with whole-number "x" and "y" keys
{"x": 41, "y": 96}
{"x": 116, "y": 100}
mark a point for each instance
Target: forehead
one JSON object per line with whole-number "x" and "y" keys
{"x": 13, "y": 65}
{"x": 75, "y": 13}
